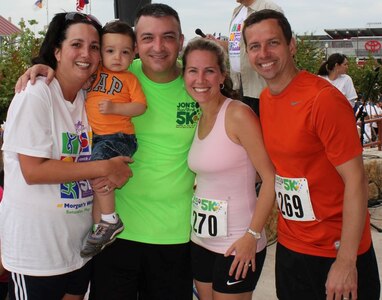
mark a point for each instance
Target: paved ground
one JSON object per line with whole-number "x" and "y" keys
{"x": 266, "y": 286}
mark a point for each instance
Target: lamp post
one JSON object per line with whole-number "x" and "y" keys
{"x": 326, "y": 50}
{"x": 356, "y": 52}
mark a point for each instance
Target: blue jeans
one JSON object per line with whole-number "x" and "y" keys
{"x": 112, "y": 145}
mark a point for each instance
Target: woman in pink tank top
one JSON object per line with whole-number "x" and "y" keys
{"x": 228, "y": 240}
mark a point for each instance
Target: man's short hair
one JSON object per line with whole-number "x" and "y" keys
{"x": 267, "y": 14}
{"x": 158, "y": 10}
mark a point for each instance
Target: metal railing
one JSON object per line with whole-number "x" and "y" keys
{"x": 378, "y": 141}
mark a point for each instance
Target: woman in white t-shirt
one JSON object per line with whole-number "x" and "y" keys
{"x": 334, "y": 70}
{"x": 46, "y": 209}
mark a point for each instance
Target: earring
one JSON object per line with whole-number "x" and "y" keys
{"x": 222, "y": 86}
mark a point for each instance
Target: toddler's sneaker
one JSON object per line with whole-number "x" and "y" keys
{"x": 104, "y": 235}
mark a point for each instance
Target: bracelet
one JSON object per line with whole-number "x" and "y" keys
{"x": 256, "y": 235}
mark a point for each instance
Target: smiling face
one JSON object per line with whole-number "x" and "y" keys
{"x": 269, "y": 53}
{"x": 202, "y": 76}
{"x": 159, "y": 41}
{"x": 79, "y": 55}
{"x": 117, "y": 51}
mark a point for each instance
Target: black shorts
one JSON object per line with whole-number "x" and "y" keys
{"x": 301, "y": 276}
{"x": 212, "y": 267}
{"x": 126, "y": 269}
{"x": 49, "y": 287}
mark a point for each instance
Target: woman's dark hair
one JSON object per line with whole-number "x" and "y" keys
{"x": 56, "y": 34}
{"x": 328, "y": 66}
{"x": 119, "y": 27}
{"x": 211, "y": 46}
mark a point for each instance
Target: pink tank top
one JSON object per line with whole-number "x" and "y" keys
{"x": 224, "y": 172}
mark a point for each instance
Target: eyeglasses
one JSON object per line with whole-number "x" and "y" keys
{"x": 80, "y": 17}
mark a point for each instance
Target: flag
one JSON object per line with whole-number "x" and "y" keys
{"x": 81, "y": 4}
{"x": 38, "y": 3}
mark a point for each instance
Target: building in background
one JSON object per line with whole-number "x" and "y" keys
{"x": 6, "y": 29}
{"x": 353, "y": 42}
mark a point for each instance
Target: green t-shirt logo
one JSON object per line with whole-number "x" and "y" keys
{"x": 187, "y": 114}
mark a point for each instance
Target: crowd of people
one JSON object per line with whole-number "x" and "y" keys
{"x": 185, "y": 208}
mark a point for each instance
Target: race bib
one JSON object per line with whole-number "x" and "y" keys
{"x": 293, "y": 199}
{"x": 209, "y": 217}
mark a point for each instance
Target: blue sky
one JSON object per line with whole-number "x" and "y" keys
{"x": 305, "y": 16}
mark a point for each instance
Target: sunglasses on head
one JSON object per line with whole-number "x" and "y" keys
{"x": 80, "y": 17}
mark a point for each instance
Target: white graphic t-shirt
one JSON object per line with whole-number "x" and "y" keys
{"x": 234, "y": 39}
{"x": 42, "y": 226}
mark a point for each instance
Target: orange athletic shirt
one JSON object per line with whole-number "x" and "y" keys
{"x": 309, "y": 129}
{"x": 119, "y": 87}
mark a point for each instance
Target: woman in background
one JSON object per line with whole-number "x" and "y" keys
{"x": 334, "y": 70}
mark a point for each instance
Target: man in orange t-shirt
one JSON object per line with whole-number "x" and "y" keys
{"x": 325, "y": 249}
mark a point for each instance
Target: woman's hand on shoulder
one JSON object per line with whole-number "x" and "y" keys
{"x": 31, "y": 75}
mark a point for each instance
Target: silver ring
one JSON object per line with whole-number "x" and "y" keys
{"x": 247, "y": 264}
{"x": 106, "y": 188}
{"x": 345, "y": 298}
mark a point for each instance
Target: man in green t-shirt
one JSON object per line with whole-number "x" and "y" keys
{"x": 151, "y": 258}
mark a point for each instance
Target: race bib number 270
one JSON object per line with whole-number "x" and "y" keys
{"x": 209, "y": 217}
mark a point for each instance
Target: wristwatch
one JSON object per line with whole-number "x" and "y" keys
{"x": 256, "y": 235}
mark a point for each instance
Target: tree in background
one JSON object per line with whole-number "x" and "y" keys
{"x": 367, "y": 78}
{"x": 16, "y": 52}
{"x": 309, "y": 55}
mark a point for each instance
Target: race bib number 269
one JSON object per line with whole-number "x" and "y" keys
{"x": 293, "y": 199}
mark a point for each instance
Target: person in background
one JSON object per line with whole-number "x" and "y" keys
{"x": 228, "y": 241}
{"x": 46, "y": 209}
{"x": 115, "y": 96}
{"x": 378, "y": 114}
{"x": 334, "y": 70}
{"x": 324, "y": 248}
{"x": 371, "y": 111}
{"x": 246, "y": 81}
